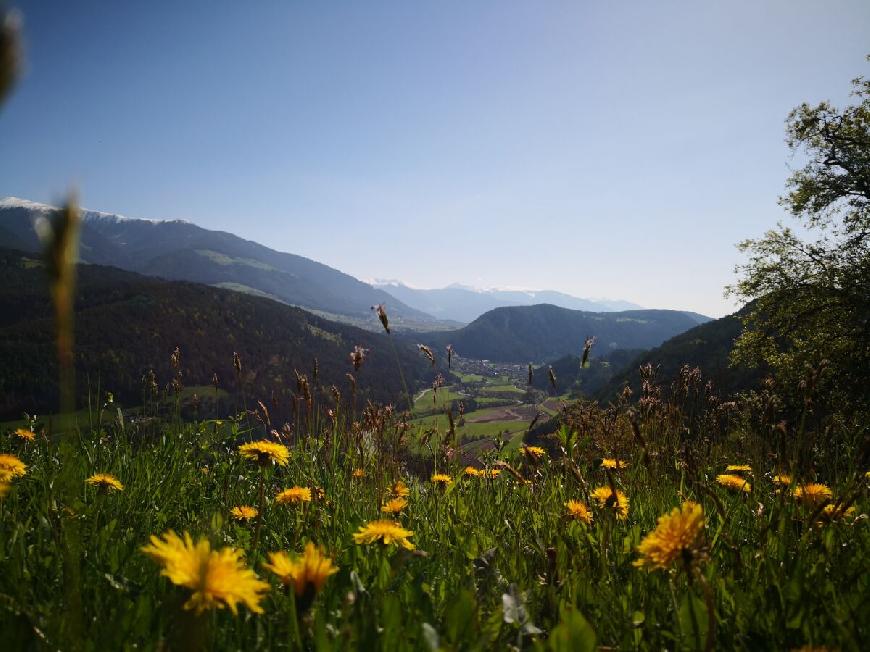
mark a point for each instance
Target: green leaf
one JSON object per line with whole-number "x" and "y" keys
{"x": 572, "y": 634}
{"x": 693, "y": 621}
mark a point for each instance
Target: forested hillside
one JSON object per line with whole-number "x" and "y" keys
{"x": 127, "y": 324}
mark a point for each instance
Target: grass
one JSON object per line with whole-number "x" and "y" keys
{"x": 496, "y": 564}
{"x": 502, "y": 565}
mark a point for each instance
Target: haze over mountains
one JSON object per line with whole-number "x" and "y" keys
{"x": 465, "y": 304}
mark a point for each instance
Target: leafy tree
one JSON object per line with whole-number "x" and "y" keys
{"x": 809, "y": 319}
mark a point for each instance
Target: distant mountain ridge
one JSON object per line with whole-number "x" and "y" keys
{"x": 543, "y": 333}
{"x": 465, "y": 304}
{"x": 180, "y": 250}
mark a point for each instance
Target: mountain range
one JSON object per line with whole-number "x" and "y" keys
{"x": 545, "y": 332}
{"x": 179, "y": 250}
{"x": 465, "y": 304}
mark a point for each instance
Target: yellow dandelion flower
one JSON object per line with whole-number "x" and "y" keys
{"x": 534, "y": 452}
{"x": 244, "y": 512}
{"x": 813, "y": 493}
{"x": 389, "y": 532}
{"x": 490, "y": 474}
{"x": 579, "y": 511}
{"x": 832, "y": 512}
{"x": 783, "y": 479}
{"x": 359, "y": 473}
{"x": 25, "y": 433}
{"x": 217, "y": 578}
{"x": 265, "y": 451}
{"x": 11, "y": 466}
{"x": 610, "y": 463}
{"x": 394, "y": 506}
{"x": 618, "y": 502}
{"x": 733, "y": 482}
{"x": 675, "y": 538}
{"x": 738, "y": 468}
{"x": 296, "y": 495}
{"x": 400, "y": 490}
{"x": 442, "y": 479}
{"x": 471, "y": 471}
{"x": 307, "y": 572}
{"x": 105, "y": 482}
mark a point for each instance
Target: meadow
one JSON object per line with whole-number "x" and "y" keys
{"x": 542, "y": 546}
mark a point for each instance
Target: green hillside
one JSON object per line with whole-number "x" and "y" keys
{"x": 127, "y": 324}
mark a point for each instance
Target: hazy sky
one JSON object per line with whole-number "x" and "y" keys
{"x": 606, "y": 149}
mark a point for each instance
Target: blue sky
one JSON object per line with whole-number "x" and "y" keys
{"x": 606, "y": 149}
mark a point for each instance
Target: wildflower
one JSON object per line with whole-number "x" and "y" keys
{"x": 783, "y": 479}
{"x": 359, "y": 473}
{"x": 579, "y": 511}
{"x": 307, "y": 572}
{"x": 394, "y": 506}
{"x": 733, "y": 482}
{"x": 618, "y": 501}
{"x": 265, "y": 451}
{"x": 833, "y": 512}
{"x": 105, "y": 482}
{"x": 389, "y": 532}
{"x": 490, "y": 474}
{"x": 473, "y": 472}
{"x": 534, "y": 452}
{"x": 675, "y": 538}
{"x": 244, "y": 512}
{"x": 217, "y": 578}
{"x": 294, "y": 495}
{"x": 11, "y": 467}
{"x": 400, "y": 489}
{"x": 738, "y": 468}
{"x": 609, "y": 463}
{"x": 812, "y": 493}
{"x": 442, "y": 479}
{"x": 25, "y": 433}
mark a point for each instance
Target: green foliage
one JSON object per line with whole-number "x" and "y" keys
{"x": 810, "y": 316}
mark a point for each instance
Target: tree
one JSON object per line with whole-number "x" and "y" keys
{"x": 809, "y": 319}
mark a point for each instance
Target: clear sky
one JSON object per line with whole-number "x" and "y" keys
{"x": 606, "y": 149}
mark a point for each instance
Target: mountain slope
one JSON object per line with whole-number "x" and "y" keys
{"x": 707, "y": 347}
{"x": 544, "y": 332}
{"x": 464, "y": 304}
{"x": 127, "y": 324}
{"x": 179, "y": 250}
